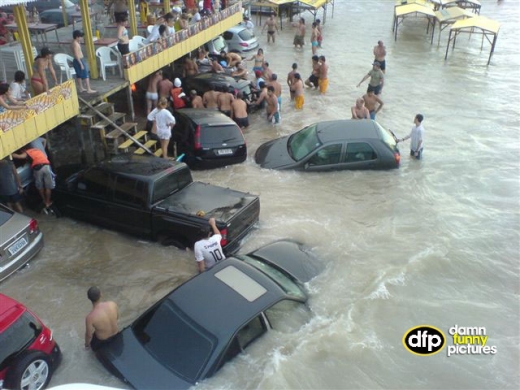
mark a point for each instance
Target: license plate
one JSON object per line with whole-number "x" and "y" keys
{"x": 222, "y": 152}
{"x": 17, "y": 246}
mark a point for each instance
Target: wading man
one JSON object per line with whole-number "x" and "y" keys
{"x": 101, "y": 322}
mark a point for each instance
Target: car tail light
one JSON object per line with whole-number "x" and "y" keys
{"x": 397, "y": 157}
{"x": 33, "y": 226}
{"x": 224, "y": 240}
{"x": 243, "y": 44}
{"x": 197, "y": 138}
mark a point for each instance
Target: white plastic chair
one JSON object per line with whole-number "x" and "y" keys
{"x": 106, "y": 57}
{"x": 136, "y": 43}
{"x": 63, "y": 60}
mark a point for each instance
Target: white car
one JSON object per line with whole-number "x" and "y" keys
{"x": 241, "y": 40}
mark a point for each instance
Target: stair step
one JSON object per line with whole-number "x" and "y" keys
{"x": 86, "y": 119}
{"x": 158, "y": 152}
{"x": 148, "y": 144}
{"x": 104, "y": 123}
{"x": 105, "y": 107}
{"x": 129, "y": 142}
{"x": 116, "y": 133}
{"x": 127, "y": 126}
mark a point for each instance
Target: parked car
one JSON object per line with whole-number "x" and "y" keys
{"x": 208, "y": 138}
{"x": 202, "y": 83}
{"x": 189, "y": 334}
{"x": 20, "y": 240}
{"x": 240, "y": 39}
{"x": 29, "y": 354}
{"x": 332, "y": 145}
{"x": 215, "y": 46}
{"x": 155, "y": 198}
{"x": 43, "y": 5}
{"x": 55, "y": 16}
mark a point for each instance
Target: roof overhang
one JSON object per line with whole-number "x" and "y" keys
{"x": 3, "y": 3}
{"x": 485, "y": 24}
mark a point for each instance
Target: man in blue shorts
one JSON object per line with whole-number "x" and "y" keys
{"x": 80, "y": 64}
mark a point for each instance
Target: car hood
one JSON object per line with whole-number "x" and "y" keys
{"x": 291, "y": 257}
{"x": 127, "y": 358}
{"x": 274, "y": 154}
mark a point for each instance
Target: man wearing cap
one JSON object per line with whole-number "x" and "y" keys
{"x": 208, "y": 250}
{"x": 377, "y": 79}
{"x": 80, "y": 64}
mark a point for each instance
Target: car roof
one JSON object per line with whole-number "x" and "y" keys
{"x": 237, "y": 28}
{"x": 221, "y": 309}
{"x": 129, "y": 163}
{"x": 10, "y": 311}
{"x": 204, "y": 116}
{"x": 341, "y": 130}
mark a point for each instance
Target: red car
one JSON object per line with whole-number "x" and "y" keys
{"x": 28, "y": 353}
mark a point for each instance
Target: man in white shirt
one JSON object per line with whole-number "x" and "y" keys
{"x": 249, "y": 24}
{"x": 17, "y": 89}
{"x": 208, "y": 250}
{"x": 417, "y": 133}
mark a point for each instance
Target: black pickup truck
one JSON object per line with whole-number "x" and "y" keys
{"x": 155, "y": 198}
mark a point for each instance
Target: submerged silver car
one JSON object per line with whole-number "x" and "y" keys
{"x": 20, "y": 240}
{"x": 241, "y": 40}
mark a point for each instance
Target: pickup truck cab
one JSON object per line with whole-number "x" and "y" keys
{"x": 155, "y": 198}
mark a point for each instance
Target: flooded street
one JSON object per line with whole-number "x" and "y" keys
{"x": 435, "y": 242}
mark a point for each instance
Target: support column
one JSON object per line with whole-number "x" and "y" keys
{"x": 130, "y": 101}
{"x": 64, "y": 12}
{"x": 25, "y": 38}
{"x": 89, "y": 42}
{"x": 132, "y": 17}
{"x": 167, "y": 6}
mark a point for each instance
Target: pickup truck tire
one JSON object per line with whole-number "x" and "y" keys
{"x": 168, "y": 240}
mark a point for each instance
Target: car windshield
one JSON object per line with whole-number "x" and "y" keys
{"x": 387, "y": 136}
{"x": 286, "y": 283}
{"x": 169, "y": 184}
{"x": 219, "y": 44}
{"x": 303, "y": 142}
{"x": 246, "y": 35}
{"x": 175, "y": 340}
{"x": 19, "y": 335}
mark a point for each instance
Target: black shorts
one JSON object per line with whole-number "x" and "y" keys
{"x": 242, "y": 122}
{"x": 124, "y": 48}
{"x": 382, "y": 64}
{"x": 376, "y": 89}
{"x": 271, "y": 32}
{"x": 314, "y": 79}
{"x": 96, "y": 344}
{"x": 226, "y": 112}
{"x": 15, "y": 198}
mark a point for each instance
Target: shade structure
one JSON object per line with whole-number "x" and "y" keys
{"x": 401, "y": 12}
{"x": 488, "y": 28}
{"x": 448, "y": 16}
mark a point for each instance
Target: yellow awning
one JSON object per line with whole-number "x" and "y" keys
{"x": 426, "y": 3}
{"x": 279, "y": 2}
{"x": 413, "y": 8}
{"x": 447, "y": 2}
{"x": 452, "y": 13}
{"x": 481, "y": 22}
{"x": 315, "y": 3}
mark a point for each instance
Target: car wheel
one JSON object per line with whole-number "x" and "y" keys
{"x": 32, "y": 371}
{"x": 167, "y": 240}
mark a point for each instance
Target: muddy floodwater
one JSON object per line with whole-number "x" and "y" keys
{"x": 435, "y": 242}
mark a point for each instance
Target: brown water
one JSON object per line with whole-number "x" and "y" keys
{"x": 435, "y": 242}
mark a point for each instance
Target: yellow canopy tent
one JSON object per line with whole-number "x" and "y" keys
{"x": 474, "y": 5}
{"x": 448, "y": 16}
{"x": 313, "y": 7}
{"x": 488, "y": 28}
{"x": 403, "y": 11}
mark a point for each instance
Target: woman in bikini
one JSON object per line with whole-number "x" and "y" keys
{"x": 42, "y": 63}
{"x": 259, "y": 60}
{"x": 122, "y": 34}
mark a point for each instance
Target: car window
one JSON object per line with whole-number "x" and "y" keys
{"x": 302, "y": 143}
{"x": 169, "y": 184}
{"x": 174, "y": 340}
{"x": 327, "y": 155}
{"x": 220, "y": 134}
{"x": 5, "y": 215}
{"x": 252, "y": 331}
{"x": 288, "y": 316}
{"x": 387, "y": 136}
{"x": 219, "y": 44}
{"x": 227, "y": 35}
{"x": 128, "y": 190}
{"x": 246, "y": 35}
{"x": 18, "y": 335}
{"x": 360, "y": 151}
{"x": 94, "y": 182}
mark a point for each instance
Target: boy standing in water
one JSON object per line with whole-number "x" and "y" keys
{"x": 417, "y": 133}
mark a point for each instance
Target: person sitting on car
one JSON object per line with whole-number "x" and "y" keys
{"x": 240, "y": 72}
{"x": 216, "y": 67}
{"x": 232, "y": 59}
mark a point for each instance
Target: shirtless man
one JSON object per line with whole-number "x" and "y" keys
{"x": 277, "y": 89}
{"x": 314, "y": 38}
{"x": 290, "y": 78}
{"x": 320, "y": 32}
{"x": 380, "y": 54}
{"x": 240, "y": 111}
{"x": 266, "y": 71}
{"x": 164, "y": 87}
{"x": 216, "y": 67}
{"x": 373, "y": 103}
{"x": 359, "y": 111}
{"x": 224, "y": 100}
{"x": 299, "y": 37}
{"x": 273, "y": 114}
{"x": 190, "y": 67}
{"x": 210, "y": 98}
{"x": 297, "y": 90}
{"x": 232, "y": 59}
{"x": 101, "y": 322}
{"x": 152, "y": 96}
{"x": 323, "y": 75}
{"x": 262, "y": 96}
{"x": 313, "y": 80}
{"x": 272, "y": 28}
{"x": 79, "y": 63}
{"x": 196, "y": 100}
{"x": 240, "y": 72}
